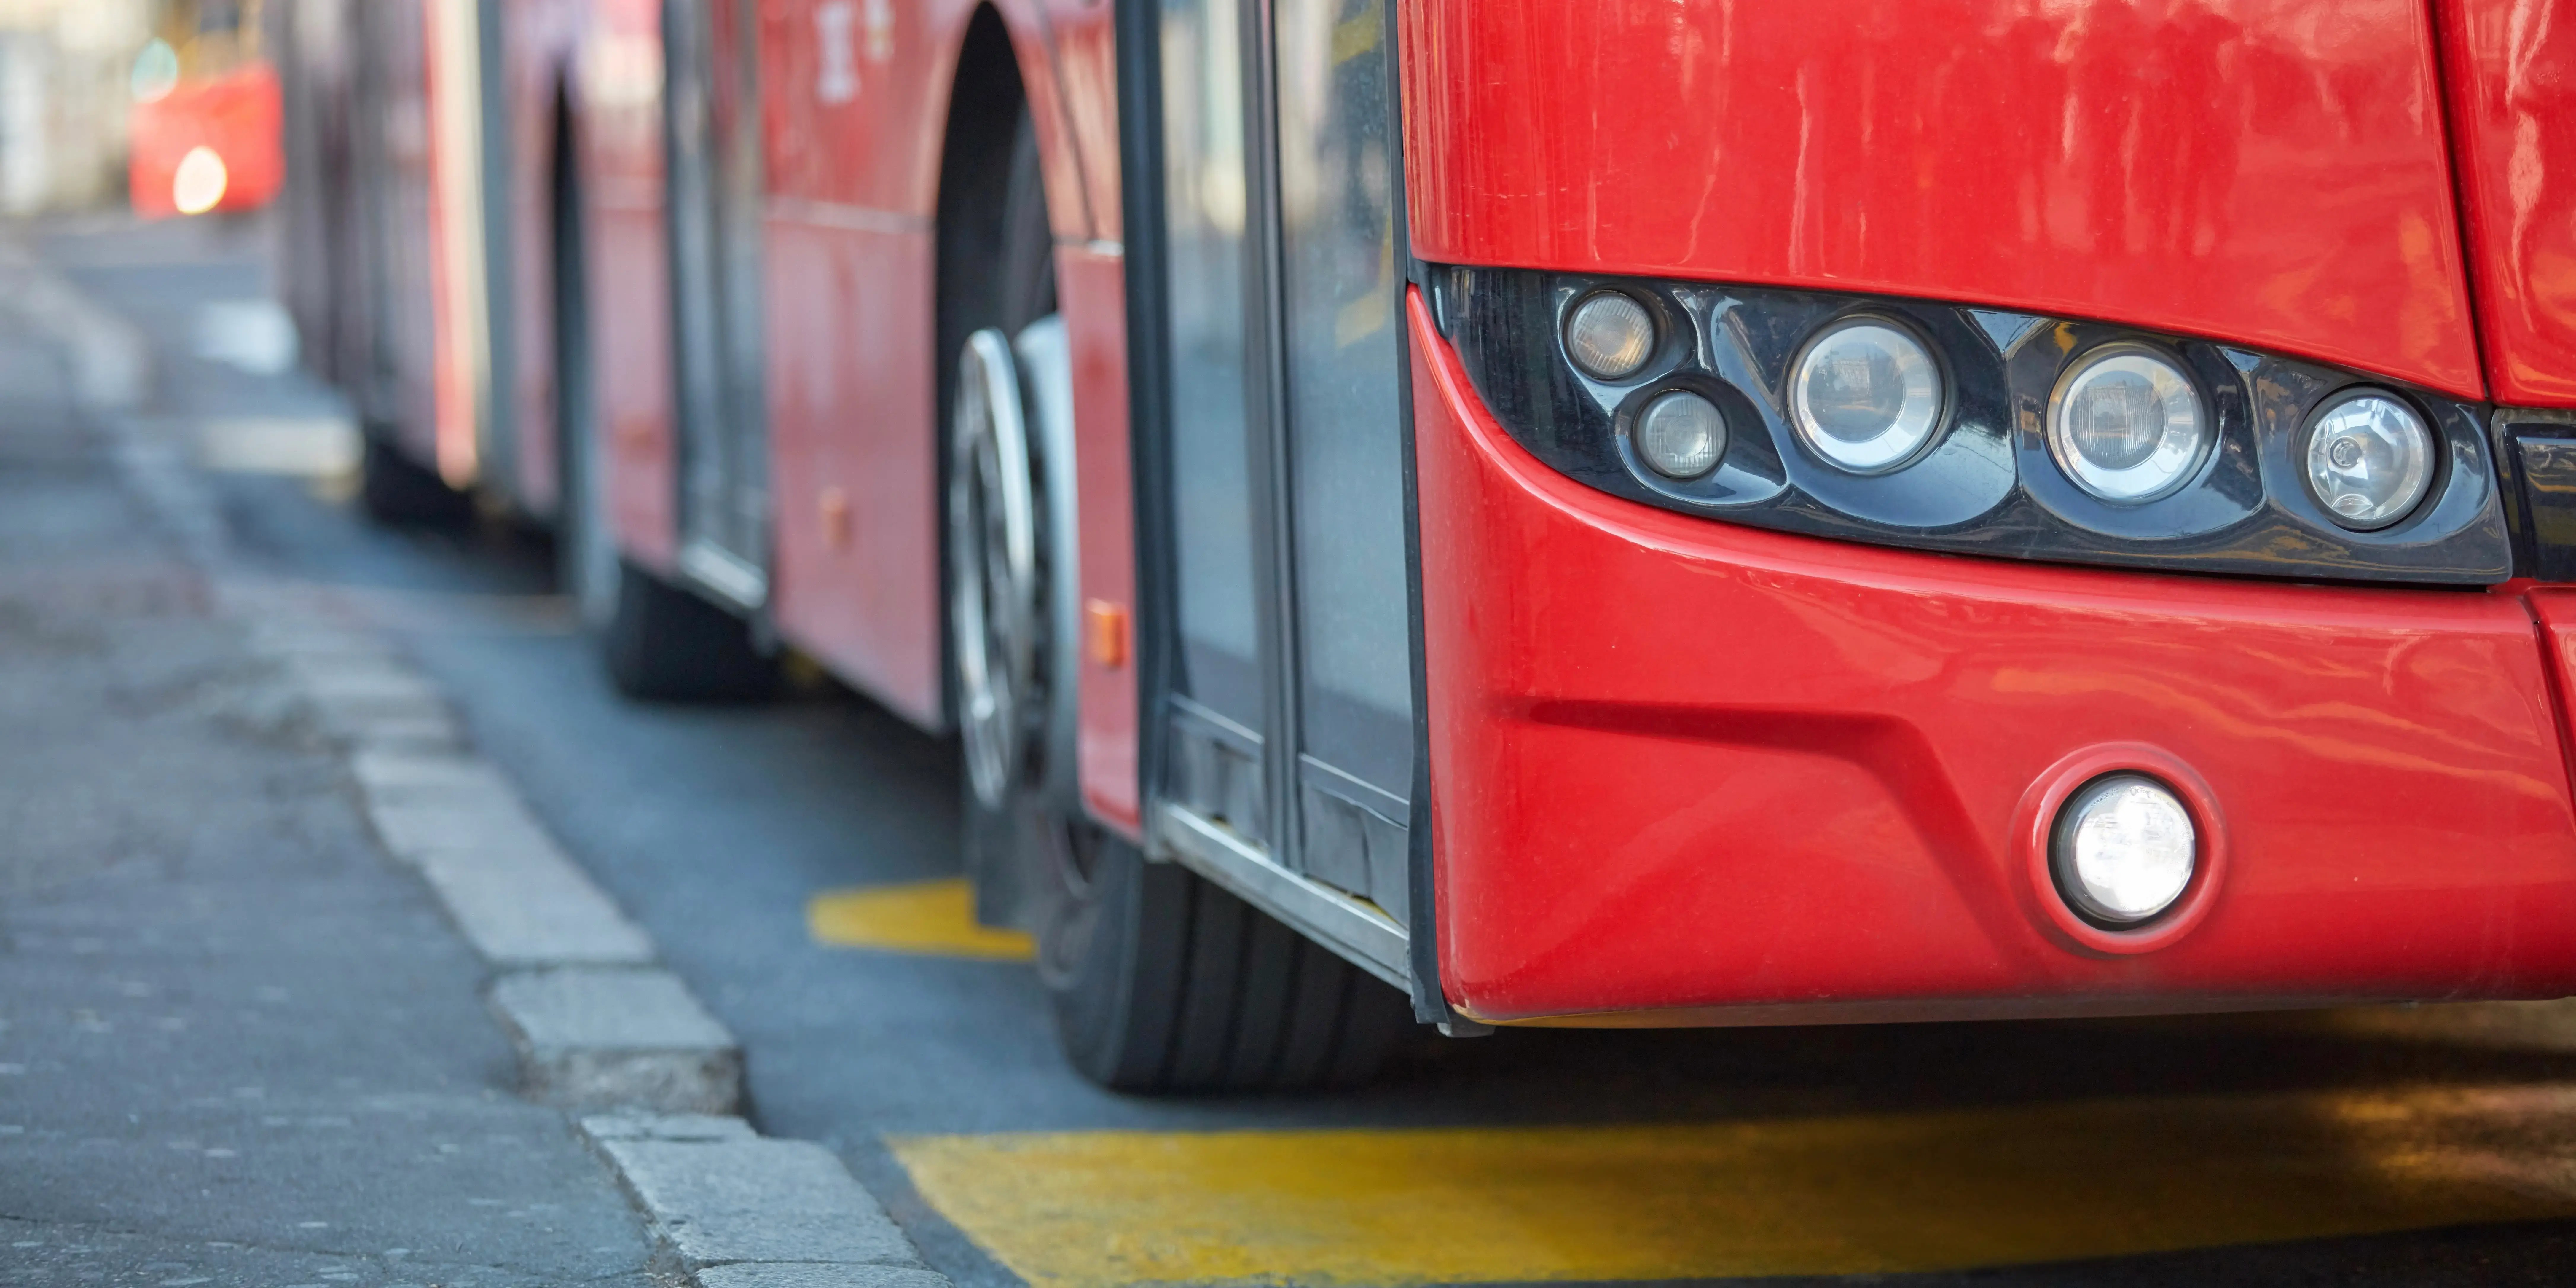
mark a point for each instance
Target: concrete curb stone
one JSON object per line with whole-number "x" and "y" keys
{"x": 589, "y": 1038}
{"x": 764, "y": 1212}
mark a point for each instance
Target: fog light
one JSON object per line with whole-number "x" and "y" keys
{"x": 2123, "y": 849}
{"x": 2127, "y": 425}
{"x": 1610, "y": 335}
{"x": 2369, "y": 459}
{"x": 1866, "y": 396}
{"x": 1681, "y": 435}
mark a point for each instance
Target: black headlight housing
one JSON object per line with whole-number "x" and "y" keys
{"x": 1986, "y": 482}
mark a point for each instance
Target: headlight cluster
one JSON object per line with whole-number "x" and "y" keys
{"x": 1952, "y": 428}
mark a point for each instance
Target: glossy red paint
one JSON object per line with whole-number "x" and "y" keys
{"x": 2267, "y": 171}
{"x": 2511, "y": 86}
{"x": 1093, "y": 284}
{"x": 1714, "y": 774}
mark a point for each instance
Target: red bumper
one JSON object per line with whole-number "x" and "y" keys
{"x": 1690, "y": 772}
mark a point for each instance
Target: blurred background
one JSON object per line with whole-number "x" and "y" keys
{"x": 166, "y": 106}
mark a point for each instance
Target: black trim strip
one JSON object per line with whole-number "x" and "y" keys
{"x": 1156, "y": 624}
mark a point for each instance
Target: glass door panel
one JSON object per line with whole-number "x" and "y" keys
{"x": 1339, "y": 288}
{"x": 1291, "y": 712}
{"x": 715, "y": 220}
{"x": 1219, "y": 685}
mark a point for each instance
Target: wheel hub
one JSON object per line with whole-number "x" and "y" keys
{"x": 996, "y": 586}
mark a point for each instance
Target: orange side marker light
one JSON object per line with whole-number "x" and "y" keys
{"x": 1105, "y": 625}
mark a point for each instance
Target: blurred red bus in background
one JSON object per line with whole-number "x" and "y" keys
{"x": 204, "y": 133}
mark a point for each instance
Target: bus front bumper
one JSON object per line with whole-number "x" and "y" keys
{"x": 1687, "y": 772}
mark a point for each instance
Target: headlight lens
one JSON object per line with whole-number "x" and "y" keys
{"x": 198, "y": 184}
{"x": 2124, "y": 849}
{"x": 2127, "y": 425}
{"x": 1610, "y": 335}
{"x": 1866, "y": 396}
{"x": 1681, "y": 435}
{"x": 2369, "y": 460}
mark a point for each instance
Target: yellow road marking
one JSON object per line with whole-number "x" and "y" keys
{"x": 1874, "y": 1193}
{"x": 930, "y": 917}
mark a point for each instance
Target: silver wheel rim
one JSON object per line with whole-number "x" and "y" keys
{"x": 993, "y": 573}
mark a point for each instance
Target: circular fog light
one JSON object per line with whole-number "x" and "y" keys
{"x": 2369, "y": 459}
{"x": 1865, "y": 396}
{"x": 2123, "y": 849}
{"x": 1681, "y": 435}
{"x": 2126, "y": 425}
{"x": 1609, "y": 335}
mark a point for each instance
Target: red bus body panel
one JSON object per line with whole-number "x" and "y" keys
{"x": 1093, "y": 284}
{"x": 627, "y": 238}
{"x": 1712, "y": 773}
{"x": 2512, "y": 89}
{"x": 850, "y": 291}
{"x": 238, "y": 115}
{"x": 2275, "y": 175}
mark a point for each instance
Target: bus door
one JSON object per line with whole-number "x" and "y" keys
{"x": 1287, "y": 692}
{"x": 711, "y": 49}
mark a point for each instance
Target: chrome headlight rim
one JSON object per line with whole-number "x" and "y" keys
{"x": 2426, "y": 488}
{"x": 1944, "y": 398}
{"x": 2058, "y": 438}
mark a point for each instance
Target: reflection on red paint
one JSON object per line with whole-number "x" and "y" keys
{"x": 2270, "y": 171}
{"x": 2512, "y": 85}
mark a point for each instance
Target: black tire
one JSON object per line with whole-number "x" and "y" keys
{"x": 400, "y": 493}
{"x": 1160, "y": 981}
{"x": 664, "y": 644}
{"x": 1163, "y": 983}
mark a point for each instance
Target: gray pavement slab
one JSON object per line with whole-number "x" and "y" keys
{"x": 237, "y": 1044}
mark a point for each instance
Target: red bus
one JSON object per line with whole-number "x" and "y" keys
{"x": 203, "y": 132}
{"x": 1686, "y": 513}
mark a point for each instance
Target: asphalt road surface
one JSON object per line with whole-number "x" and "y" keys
{"x": 796, "y": 862}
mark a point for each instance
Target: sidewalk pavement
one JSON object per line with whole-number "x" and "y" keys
{"x": 237, "y": 1043}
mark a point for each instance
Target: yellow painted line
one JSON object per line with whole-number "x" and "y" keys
{"x": 1862, "y": 1194}
{"x": 930, "y": 917}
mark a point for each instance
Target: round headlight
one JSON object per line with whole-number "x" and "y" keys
{"x": 2124, "y": 849}
{"x": 197, "y": 186}
{"x": 1865, "y": 396}
{"x": 2369, "y": 459}
{"x": 1681, "y": 435}
{"x": 2127, "y": 425}
{"x": 1609, "y": 335}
